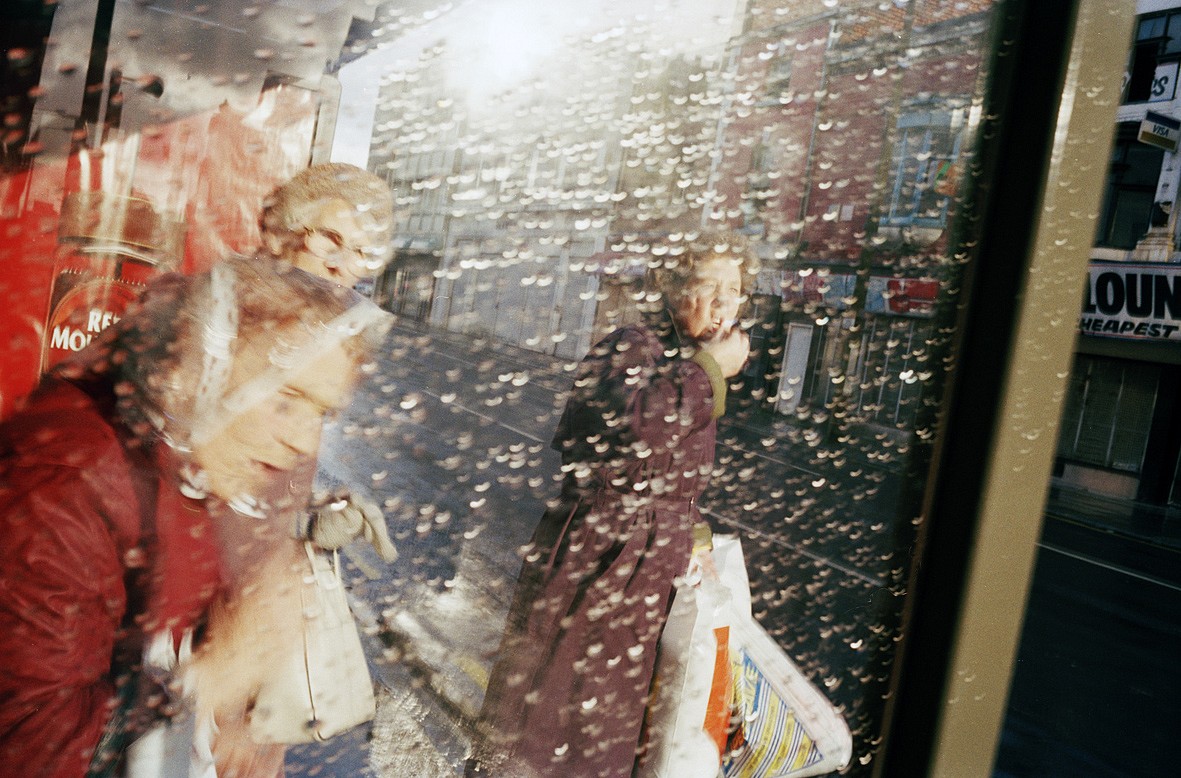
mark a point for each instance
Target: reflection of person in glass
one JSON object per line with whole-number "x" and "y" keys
{"x": 568, "y": 692}
{"x": 335, "y": 221}
{"x": 133, "y": 485}
{"x": 332, "y": 220}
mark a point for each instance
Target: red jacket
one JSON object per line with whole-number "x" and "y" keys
{"x": 97, "y": 548}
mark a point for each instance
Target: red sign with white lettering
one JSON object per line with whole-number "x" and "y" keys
{"x": 82, "y": 313}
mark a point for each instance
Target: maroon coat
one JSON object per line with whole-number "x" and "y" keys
{"x": 96, "y": 549}
{"x": 568, "y": 693}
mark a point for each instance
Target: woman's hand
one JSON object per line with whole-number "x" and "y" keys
{"x": 702, "y": 563}
{"x": 238, "y": 756}
{"x": 730, "y": 348}
{"x": 341, "y": 521}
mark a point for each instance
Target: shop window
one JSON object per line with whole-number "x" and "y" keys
{"x": 1108, "y": 413}
{"x": 1131, "y": 190}
{"x": 542, "y": 163}
{"x": 826, "y": 377}
{"x": 922, "y": 169}
{"x": 1152, "y": 71}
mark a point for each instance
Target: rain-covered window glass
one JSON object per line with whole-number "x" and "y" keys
{"x": 924, "y": 159}
{"x": 577, "y": 360}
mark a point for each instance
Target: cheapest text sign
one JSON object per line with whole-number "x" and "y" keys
{"x": 1125, "y": 300}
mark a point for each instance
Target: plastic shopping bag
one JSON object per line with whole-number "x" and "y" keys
{"x": 689, "y": 711}
{"x": 788, "y": 728}
{"x": 692, "y": 708}
{"x": 175, "y": 748}
{"x": 728, "y": 701}
{"x": 731, "y": 569}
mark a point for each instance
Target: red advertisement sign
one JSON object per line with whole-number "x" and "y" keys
{"x": 83, "y": 312}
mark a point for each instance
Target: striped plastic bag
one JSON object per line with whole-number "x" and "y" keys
{"x": 789, "y": 728}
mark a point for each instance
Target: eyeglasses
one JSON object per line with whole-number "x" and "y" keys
{"x": 331, "y": 244}
{"x": 340, "y": 256}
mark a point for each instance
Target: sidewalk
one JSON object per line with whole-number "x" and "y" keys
{"x": 428, "y": 657}
{"x": 1154, "y": 524}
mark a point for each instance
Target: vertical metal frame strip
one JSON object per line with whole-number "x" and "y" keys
{"x": 1017, "y": 467}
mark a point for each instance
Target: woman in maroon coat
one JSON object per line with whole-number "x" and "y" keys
{"x": 568, "y": 693}
{"x": 126, "y": 485}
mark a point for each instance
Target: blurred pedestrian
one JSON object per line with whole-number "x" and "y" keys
{"x": 332, "y": 220}
{"x": 140, "y": 482}
{"x": 567, "y": 694}
{"x": 335, "y": 221}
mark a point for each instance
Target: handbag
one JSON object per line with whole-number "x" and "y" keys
{"x": 325, "y": 689}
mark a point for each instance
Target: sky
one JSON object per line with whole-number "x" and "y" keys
{"x": 499, "y": 42}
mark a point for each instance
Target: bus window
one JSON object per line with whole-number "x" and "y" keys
{"x": 562, "y": 295}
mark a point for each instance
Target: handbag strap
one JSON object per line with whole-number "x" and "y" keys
{"x": 310, "y": 551}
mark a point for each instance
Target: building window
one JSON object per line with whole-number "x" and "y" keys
{"x": 1108, "y": 413}
{"x": 1152, "y": 71}
{"x": 1131, "y": 190}
{"x": 925, "y": 154}
{"x": 760, "y": 185}
{"x": 779, "y": 74}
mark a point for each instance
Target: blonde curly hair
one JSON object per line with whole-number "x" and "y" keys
{"x": 290, "y": 206}
{"x": 675, "y": 259}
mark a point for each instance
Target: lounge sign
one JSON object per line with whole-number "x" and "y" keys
{"x": 1124, "y": 300}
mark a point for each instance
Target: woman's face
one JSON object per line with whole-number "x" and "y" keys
{"x": 709, "y": 302}
{"x": 258, "y": 447}
{"x": 336, "y": 245}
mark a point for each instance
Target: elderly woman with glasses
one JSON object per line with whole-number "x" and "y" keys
{"x": 335, "y": 221}
{"x": 332, "y": 220}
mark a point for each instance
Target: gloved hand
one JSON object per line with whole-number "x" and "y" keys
{"x": 341, "y": 521}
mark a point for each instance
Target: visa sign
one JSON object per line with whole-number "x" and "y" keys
{"x": 1160, "y": 131}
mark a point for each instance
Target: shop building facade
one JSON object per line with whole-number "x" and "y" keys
{"x": 1121, "y": 431}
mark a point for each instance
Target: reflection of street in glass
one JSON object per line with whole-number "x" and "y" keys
{"x": 448, "y": 628}
{"x": 545, "y": 158}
